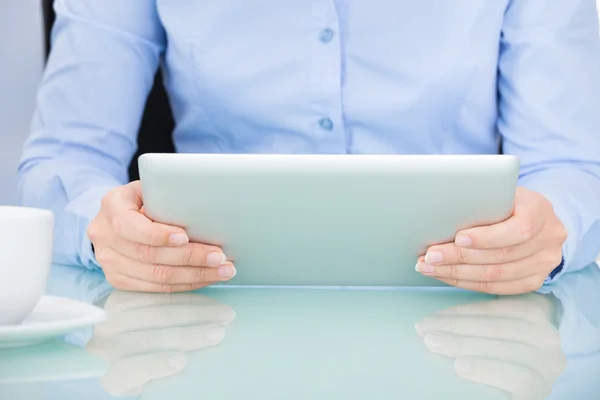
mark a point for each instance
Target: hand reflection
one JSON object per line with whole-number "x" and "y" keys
{"x": 146, "y": 336}
{"x": 508, "y": 343}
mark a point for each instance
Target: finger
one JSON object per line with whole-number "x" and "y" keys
{"x": 526, "y": 285}
{"x": 522, "y": 382}
{"x": 182, "y": 339}
{"x": 122, "y": 208}
{"x": 526, "y": 222}
{"x": 190, "y": 254}
{"x": 511, "y": 271}
{"x": 135, "y": 227}
{"x": 120, "y": 301}
{"x": 541, "y": 336}
{"x": 451, "y": 254}
{"x": 124, "y": 282}
{"x": 548, "y": 364}
{"x": 170, "y": 275}
{"x": 127, "y": 377}
{"x": 515, "y": 230}
{"x": 159, "y": 273}
{"x": 124, "y": 198}
{"x": 532, "y": 307}
{"x": 165, "y": 316}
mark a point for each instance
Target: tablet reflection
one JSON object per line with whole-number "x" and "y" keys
{"x": 510, "y": 343}
{"x": 147, "y": 336}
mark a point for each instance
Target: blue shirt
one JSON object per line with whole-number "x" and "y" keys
{"x": 321, "y": 76}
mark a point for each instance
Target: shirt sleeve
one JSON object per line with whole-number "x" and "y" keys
{"x": 549, "y": 112}
{"x": 104, "y": 57}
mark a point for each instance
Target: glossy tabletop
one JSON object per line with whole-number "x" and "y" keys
{"x": 334, "y": 343}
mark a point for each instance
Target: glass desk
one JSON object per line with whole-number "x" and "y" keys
{"x": 291, "y": 343}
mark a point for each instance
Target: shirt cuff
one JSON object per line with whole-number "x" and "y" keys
{"x": 556, "y": 273}
{"x": 86, "y": 206}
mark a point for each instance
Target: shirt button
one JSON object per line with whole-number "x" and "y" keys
{"x": 326, "y": 35}
{"x": 326, "y": 124}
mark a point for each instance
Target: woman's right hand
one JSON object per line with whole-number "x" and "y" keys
{"x": 138, "y": 254}
{"x": 147, "y": 336}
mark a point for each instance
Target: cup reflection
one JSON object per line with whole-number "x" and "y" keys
{"x": 509, "y": 343}
{"x": 146, "y": 336}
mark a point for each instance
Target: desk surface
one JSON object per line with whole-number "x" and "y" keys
{"x": 277, "y": 343}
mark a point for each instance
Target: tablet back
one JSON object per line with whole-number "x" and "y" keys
{"x": 333, "y": 220}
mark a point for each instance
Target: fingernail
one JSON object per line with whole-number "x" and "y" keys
{"x": 215, "y": 259}
{"x": 177, "y": 362}
{"x": 433, "y": 341}
{"x": 227, "y": 271}
{"x": 434, "y": 257}
{"x": 419, "y": 329}
{"x": 463, "y": 241}
{"x": 215, "y": 335}
{"x": 423, "y": 326}
{"x": 178, "y": 239}
{"x": 425, "y": 268}
{"x": 462, "y": 366}
{"x": 226, "y": 316}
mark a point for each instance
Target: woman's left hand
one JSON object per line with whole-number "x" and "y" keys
{"x": 510, "y": 343}
{"x": 512, "y": 257}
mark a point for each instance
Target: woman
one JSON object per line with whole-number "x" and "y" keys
{"x": 322, "y": 76}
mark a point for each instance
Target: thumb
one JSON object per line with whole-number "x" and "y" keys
{"x": 133, "y": 193}
{"x": 127, "y": 376}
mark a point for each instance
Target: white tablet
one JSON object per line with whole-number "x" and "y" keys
{"x": 332, "y": 220}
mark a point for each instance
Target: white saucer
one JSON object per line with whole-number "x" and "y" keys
{"x": 52, "y": 317}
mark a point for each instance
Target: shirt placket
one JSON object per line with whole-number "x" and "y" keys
{"x": 325, "y": 78}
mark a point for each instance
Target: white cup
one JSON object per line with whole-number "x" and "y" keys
{"x": 25, "y": 260}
